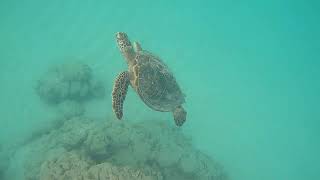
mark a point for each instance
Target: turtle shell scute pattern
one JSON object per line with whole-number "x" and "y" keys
{"x": 156, "y": 85}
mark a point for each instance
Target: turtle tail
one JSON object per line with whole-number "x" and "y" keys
{"x": 119, "y": 93}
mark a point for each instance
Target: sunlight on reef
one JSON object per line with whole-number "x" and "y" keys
{"x": 84, "y": 148}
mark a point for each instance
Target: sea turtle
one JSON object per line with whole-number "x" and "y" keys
{"x": 150, "y": 78}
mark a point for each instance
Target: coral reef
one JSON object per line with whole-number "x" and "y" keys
{"x": 69, "y": 81}
{"x": 72, "y": 166}
{"x": 84, "y": 148}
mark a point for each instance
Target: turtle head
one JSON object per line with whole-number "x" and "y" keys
{"x": 125, "y": 46}
{"x": 123, "y": 41}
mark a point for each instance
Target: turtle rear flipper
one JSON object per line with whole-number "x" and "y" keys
{"x": 119, "y": 93}
{"x": 179, "y": 116}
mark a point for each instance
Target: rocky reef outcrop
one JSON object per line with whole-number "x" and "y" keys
{"x": 71, "y": 81}
{"x": 72, "y": 166}
{"x": 85, "y": 148}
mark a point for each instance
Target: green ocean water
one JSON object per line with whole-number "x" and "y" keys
{"x": 250, "y": 71}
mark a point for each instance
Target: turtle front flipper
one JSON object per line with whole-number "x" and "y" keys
{"x": 119, "y": 93}
{"x": 179, "y": 116}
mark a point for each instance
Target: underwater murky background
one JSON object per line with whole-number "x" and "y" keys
{"x": 250, "y": 71}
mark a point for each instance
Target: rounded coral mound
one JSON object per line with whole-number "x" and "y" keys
{"x": 72, "y": 166}
{"x": 84, "y": 148}
{"x": 69, "y": 81}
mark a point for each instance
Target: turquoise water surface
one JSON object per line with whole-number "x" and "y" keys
{"x": 250, "y": 71}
